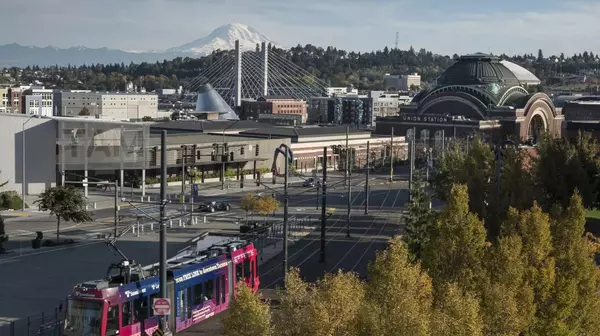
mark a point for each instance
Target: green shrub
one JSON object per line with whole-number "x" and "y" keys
{"x": 11, "y": 200}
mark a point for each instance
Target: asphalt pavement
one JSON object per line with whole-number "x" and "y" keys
{"x": 38, "y": 280}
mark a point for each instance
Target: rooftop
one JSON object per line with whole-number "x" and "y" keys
{"x": 190, "y": 139}
{"x": 478, "y": 69}
{"x": 296, "y": 132}
{"x": 208, "y": 126}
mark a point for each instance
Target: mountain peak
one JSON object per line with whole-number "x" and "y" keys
{"x": 223, "y": 38}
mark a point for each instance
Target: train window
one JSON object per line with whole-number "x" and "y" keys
{"x": 151, "y": 300}
{"x": 209, "y": 289}
{"x": 252, "y": 273}
{"x": 223, "y": 284}
{"x": 126, "y": 316}
{"x": 218, "y": 292}
{"x": 247, "y": 273}
{"x": 140, "y": 309}
{"x": 198, "y": 296}
{"x": 239, "y": 272}
{"x": 112, "y": 321}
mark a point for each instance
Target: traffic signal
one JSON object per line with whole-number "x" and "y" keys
{"x": 230, "y": 156}
{"x": 257, "y": 150}
{"x": 242, "y": 150}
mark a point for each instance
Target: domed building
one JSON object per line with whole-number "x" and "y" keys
{"x": 479, "y": 93}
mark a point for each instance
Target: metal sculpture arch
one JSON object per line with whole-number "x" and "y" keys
{"x": 287, "y": 152}
{"x": 510, "y": 92}
{"x": 485, "y": 97}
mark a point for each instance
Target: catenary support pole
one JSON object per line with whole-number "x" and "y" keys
{"x": 349, "y": 192}
{"x": 163, "y": 227}
{"x": 412, "y": 163}
{"x": 116, "y": 210}
{"x": 346, "y": 165}
{"x": 285, "y": 216}
{"x": 183, "y": 150}
{"x": 392, "y": 156}
{"x": 367, "y": 181}
{"x": 324, "y": 205}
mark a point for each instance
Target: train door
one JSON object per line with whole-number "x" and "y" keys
{"x": 248, "y": 278}
{"x": 112, "y": 321}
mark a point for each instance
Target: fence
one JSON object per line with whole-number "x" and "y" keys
{"x": 45, "y": 324}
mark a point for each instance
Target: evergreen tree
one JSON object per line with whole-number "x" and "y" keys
{"x": 420, "y": 217}
{"x": 456, "y": 313}
{"x": 455, "y": 249}
{"x": 247, "y": 315}
{"x": 507, "y": 299}
{"x": 398, "y": 295}
{"x": 574, "y": 308}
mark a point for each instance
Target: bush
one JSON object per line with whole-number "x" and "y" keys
{"x": 11, "y": 200}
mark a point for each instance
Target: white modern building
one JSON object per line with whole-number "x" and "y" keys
{"x": 38, "y": 101}
{"x": 108, "y": 105}
{"x": 37, "y": 155}
{"x": 341, "y": 91}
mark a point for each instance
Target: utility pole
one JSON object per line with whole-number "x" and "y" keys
{"x": 324, "y": 205}
{"x": 367, "y": 182}
{"x": 223, "y": 161}
{"x": 163, "y": 226}
{"x": 183, "y": 153}
{"x": 349, "y": 193}
{"x": 392, "y": 156}
{"x": 411, "y": 153}
{"x": 318, "y": 187}
{"x": 498, "y": 166}
{"x": 285, "y": 215}
{"x": 346, "y": 165}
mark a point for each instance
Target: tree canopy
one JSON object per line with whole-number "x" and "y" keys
{"x": 66, "y": 203}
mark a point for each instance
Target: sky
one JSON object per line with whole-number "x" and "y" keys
{"x": 442, "y": 26}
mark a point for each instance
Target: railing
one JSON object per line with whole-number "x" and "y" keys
{"x": 45, "y": 324}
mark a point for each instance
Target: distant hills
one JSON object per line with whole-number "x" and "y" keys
{"x": 222, "y": 38}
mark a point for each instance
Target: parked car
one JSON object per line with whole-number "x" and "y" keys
{"x": 214, "y": 206}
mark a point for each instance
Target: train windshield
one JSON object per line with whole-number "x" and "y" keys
{"x": 84, "y": 318}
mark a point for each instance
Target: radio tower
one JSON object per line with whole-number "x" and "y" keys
{"x": 397, "y": 38}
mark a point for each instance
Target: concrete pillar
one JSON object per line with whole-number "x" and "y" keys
{"x": 85, "y": 184}
{"x": 265, "y": 67}
{"x": 122, "y": 181}
{"x": 143, "y": 182}
{"x": 238, "y": 74}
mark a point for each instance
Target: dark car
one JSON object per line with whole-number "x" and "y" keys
{"x": 214, "y": 206}
{"x": 311, "y": 182}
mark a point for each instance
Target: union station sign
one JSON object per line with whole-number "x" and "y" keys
{"x": 427, "y": 118}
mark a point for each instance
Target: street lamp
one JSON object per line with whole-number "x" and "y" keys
{"x": 23, "y": 183}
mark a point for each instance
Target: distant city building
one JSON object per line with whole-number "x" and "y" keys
{"x": 116, "y": 106}
{"x": 581, "y": 115}
{"x": 401, "y": 82}
{"x": 341, "y": 91}
{"x": 14, "y": 99}
{"x": 4, "y": 102}
{"x": 350, "y": 110}
{"x": 478, "y": 93}
{"x": 275, "y": 108}
{"x": 166, "y": 92}
{"x": 38, "y": 101}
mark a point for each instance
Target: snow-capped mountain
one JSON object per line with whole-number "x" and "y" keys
{"x": 224, "y": 38}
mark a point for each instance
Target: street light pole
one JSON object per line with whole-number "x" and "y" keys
{"x": 163, "y": 226}
{"x": 367, "y": 182}
{"x": 285, "y": 216}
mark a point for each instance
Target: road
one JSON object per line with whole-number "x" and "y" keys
{"x": 368, "y": 234}
{"x": 36, "y": 281}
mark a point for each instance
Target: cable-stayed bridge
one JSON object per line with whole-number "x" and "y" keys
{"x": 253, "y": 74}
